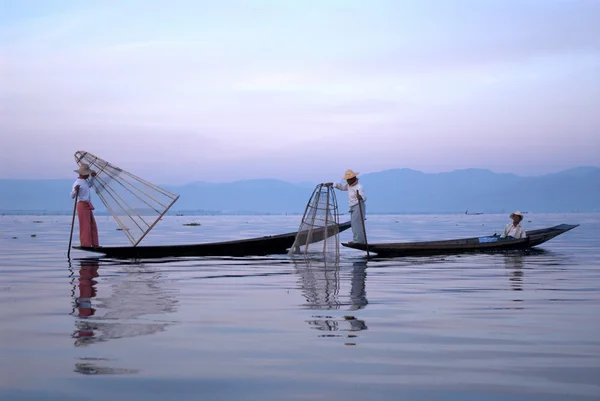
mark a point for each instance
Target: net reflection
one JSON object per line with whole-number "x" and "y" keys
{"x": 322, "y": 283}
{"x": 135, "y": 293}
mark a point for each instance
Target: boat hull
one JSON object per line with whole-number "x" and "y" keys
{"x": 260, "y": 246}
{"x": 465, "y": 245}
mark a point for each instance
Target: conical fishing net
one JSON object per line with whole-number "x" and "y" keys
{"x": 136, "y": 205}
{"x": 319, "y": 229}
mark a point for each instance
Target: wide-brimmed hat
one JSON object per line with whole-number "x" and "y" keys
{"x": 350, "y": 174}
{"x": 83, "y": 169}
{"x": 517, "y": 213}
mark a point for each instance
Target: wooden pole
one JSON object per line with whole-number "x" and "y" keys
{"x": 72, "y": 223}
{"x": 362, "y": 220}
{"x": 326, "y": 222}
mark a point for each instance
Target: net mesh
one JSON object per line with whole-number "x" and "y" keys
{"x": 136, "y": 205}
{"x": 319, "y": 229}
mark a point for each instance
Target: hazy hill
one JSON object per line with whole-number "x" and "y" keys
{"x": 478, "y": 190}
{"x": 390, "y": 191}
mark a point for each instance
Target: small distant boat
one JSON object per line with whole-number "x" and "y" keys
{"x": 472, "y": 214}
{"x": 491, "y": 243}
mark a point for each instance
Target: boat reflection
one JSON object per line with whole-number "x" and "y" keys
{"x": 135, "y": 292}
{"x": 322, "y": 283}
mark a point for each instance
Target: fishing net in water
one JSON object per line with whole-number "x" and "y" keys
{"x": 136, "y": 205}
{"x": 319, "y": 229}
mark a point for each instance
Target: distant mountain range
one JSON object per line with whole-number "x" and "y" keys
{"x": 390, "y": 191}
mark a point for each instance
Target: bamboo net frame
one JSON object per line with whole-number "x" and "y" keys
{"x": 136, "y": 204}
{"x": 319, "y": 228}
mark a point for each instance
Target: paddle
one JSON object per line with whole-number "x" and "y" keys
{"x": 73, "y": 222}
{"x": 362, "y": 219}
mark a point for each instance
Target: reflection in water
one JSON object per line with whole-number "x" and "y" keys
{"x": 532, "y": 258}
{"x": 100, "y": 319}
{"x": 88, "y": 366}
{"x": 321, "y": 285}
{"x": 358, "y": 290}
{"x": 514, "y": 262}
{"x": 82, "y": 299}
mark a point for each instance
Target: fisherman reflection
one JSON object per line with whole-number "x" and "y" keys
{"x": 83, "y": 307}
{"x": 133, "y": 294}
{"x": 321, "y": 286}
{"x": 514, "y": 263}
{"x": 358, "y": 293}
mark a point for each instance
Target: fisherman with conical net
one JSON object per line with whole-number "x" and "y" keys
{"x": 135, "y": 204}
{"x": 356, "y": 201}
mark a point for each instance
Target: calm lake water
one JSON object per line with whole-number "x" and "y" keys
{"x": 515, "y": 326}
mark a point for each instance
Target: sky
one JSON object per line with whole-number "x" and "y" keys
{"x": 178, "y": 91}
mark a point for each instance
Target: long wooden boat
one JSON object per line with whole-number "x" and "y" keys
{"x": 259, "y": 246}
{"x": 491, "y": 243}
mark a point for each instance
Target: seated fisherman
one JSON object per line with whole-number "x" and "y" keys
{"x": 514, "y": 229}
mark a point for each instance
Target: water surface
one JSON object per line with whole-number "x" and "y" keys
{"x": 514, "y": 326}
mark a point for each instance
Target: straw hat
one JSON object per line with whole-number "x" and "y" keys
{"x": 350, "y": 174}
{"x": 517, "y": 213}
{"x": 84, "y": 169}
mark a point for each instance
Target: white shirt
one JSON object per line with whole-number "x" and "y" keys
{"x": 85, "y": 187}
{"x": 352, "y": 190}
{"x": 511, "y": 231}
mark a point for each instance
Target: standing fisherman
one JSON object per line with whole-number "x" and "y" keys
{"x": 88, "y": 231}
{"x": 356, "y": 194}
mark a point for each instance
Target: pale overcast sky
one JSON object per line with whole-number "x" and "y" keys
{"x": 178, "y": 91}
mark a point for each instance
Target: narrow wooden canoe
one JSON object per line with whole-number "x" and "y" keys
{"x": 489, "y": 243}
{"x": 260, "y": 246}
